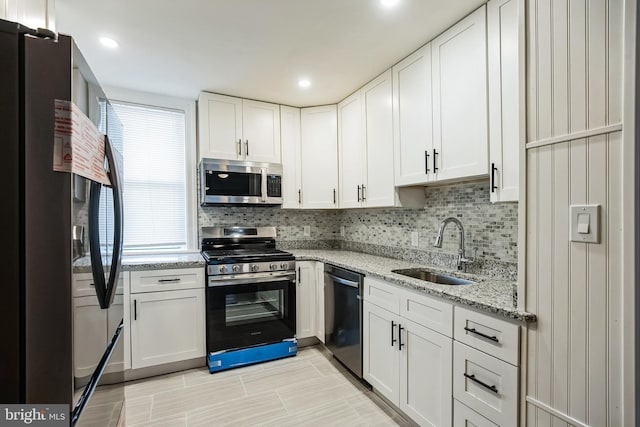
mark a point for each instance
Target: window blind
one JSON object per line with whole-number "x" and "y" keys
{"x": 153, "y": 149}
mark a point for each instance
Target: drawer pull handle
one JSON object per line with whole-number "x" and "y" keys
{"x": 177, "y": 279}
{"x": 485, "y": 385}
{"x": 473, "y": 331}
{"x": 400, "y": 344}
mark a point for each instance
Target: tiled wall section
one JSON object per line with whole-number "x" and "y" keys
{"x": 491, "y": 230}
{"x": 324, "y": 225}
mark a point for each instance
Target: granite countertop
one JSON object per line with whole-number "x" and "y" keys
{"x": 148, "y": 262}
{"x": 488, "y": 294}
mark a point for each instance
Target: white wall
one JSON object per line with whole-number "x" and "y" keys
{"x": 574, "y": 156}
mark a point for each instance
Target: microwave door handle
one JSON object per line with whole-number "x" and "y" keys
{"x": 263, "y": 172}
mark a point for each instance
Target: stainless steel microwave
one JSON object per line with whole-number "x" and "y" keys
{"x": 234, "y": 182}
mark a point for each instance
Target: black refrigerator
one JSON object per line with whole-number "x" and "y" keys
{"x": 40, "y": 340}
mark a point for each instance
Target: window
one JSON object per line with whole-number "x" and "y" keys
{"x": 157, "y": 149}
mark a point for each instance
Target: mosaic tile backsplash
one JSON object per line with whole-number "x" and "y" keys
{"x": 491, "y": 230}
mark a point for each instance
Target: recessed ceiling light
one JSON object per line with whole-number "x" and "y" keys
{"x": 388, "y": 4}
{"x": 304, "y": 83}
{"x": 110, "y": 43}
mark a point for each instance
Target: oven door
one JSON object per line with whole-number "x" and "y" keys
{"x": 249, "y": 311}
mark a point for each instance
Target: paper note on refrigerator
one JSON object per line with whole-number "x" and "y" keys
{"x": 78, "y": 145}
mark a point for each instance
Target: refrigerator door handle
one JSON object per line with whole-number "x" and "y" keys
{"x": 106, "y": 291}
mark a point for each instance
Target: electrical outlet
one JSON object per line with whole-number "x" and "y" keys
{"x": 414, "y": 238}
{"x": 306, "y": 230}
{"x": 343, "y": 231}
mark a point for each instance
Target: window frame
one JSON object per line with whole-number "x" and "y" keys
{"x": 189, "y": 108}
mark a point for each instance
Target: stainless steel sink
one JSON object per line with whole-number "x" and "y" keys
{"x": 430, "y": 276}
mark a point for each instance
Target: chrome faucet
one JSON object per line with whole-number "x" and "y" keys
{"x": 462, "y": 260}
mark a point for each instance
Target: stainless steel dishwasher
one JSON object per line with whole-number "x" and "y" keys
{"x": 343, "y": 316}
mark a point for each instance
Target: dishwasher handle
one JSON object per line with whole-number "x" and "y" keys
{"x": 342, "y": 281}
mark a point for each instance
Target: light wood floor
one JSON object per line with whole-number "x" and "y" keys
{"x": 308, "y": 389}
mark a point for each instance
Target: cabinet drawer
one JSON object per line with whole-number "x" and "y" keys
{"x": 485, "y": 384}
{"x": 486, "y": 333}
{"x": 426, "y": 311}
{"x": 166, "y": 280}
{"x": 83, "y": 284}
{"x": 465, "y": 417}
{"x": 382, "y": 294}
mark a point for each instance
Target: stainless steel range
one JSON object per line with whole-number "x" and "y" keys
{"x": 250, "y": 297}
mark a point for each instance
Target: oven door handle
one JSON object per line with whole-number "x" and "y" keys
{"x": 244, "y": 280}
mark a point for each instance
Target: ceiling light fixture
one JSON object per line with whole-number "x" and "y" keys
{"x": 110, "y": 43}
{"x": 388, "y": 4}
{"x": 304, "y": 83}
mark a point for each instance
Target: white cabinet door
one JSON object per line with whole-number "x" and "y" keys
{"x": 320, "y": 301}
{"x": 167, "y": 327}
{"x": 220, "y": 127}
{"x": 306, "y": 299}
{"x": 412, "y": 118}
{"x": 351, "y": 151}
{"x": 505, "y": 41}
{"x": 425, "y": 375}
{"x": 380, "y": 355}
{"x": 460, "y": 135}
{"x": 115, "y": 315}
{"x": 261, "y": 131}
{"x": 319, "y": 157}
{"x": 378, "y": 118}
{"x": 291, "y": 172}
{"x": 90, "y": 335}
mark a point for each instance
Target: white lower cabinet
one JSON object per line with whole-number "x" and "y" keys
{"x": 167, "y": 327}
{"x": 406, "y": 362}
{"x": 486, "y": 384}
{"x": 306, "y": 295}
{"x": 425, "y": 373}
{"x": 94, "y": 327}
{"x": 320, "y": 301}
{"x": 380, "y": 356}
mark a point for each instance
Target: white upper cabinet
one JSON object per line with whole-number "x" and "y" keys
{"x": 351, "y": 151}
{"x": 319, "y": 157}
{"x": 412, "y": 118}
{"x": 365, "y": 142}
{"x": 291, "y": 171}
{"x": 460, "y": 135}
{"x": 378, "y": 121}
{"x": 505, "y": 41}
{"x": 261, "y": 131}
{"x": 219, "y": 126}
{"x": 238, "y": 129}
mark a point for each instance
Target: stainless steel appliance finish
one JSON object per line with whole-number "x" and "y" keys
{"x": 234, "y": 182}
{"x": 36, "y": 309}
{"x": 343, "y": 291}
{"x": 250, "y": 294}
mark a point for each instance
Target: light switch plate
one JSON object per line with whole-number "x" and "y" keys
{"x": 579, "y": 215}
{"x": 306, "y": 230}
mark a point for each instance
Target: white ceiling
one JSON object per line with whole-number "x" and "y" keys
{"x": 252, "y": 48}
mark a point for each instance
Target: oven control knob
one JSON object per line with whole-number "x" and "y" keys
{"x": 223, "y": 269}
{"x": 273, "y": 266}
{"x": 254, "y": 267}
{"x": 236, "y": 268}
{"x": 284, "y": 266}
